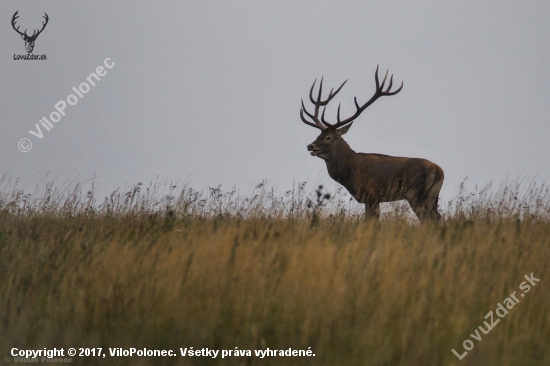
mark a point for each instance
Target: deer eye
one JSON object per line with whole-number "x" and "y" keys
{"x": 328, "y": 138}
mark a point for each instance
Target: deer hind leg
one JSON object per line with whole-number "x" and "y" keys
{"x": 426, "y": 209}
{"x": 431, "y": 200}
{"x": 425, "y": 205}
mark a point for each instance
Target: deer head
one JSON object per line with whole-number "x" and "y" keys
{"x": 29, "y": 40}
{"x": 327, "y": 143}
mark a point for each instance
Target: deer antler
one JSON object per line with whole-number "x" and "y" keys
{"x": 322, "y": 124}
{"x": 318, "y": 104}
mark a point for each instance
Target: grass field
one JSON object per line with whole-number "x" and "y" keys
{"x": 300, "y": 271}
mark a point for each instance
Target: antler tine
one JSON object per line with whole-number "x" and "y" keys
{"x": 389, "y": 86}
{"x": 311, "y": 92}
{"x": 306, "y": 112}
{"x": 306, "y": 121}
{"x": 320, "y": 91}
{"x": 338, "y": 90}
{"x": 395, "y": 92}
{"x": 376, "y": 78}
{"x": 384, "y": 81}
{"x": 323, "y": 117}
{"x": 356, "y": 104}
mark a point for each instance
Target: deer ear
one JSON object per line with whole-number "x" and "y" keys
{"x": 343, "y": 130}
{"x": 23, "y": 36}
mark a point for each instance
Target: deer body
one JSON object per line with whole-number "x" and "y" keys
{"x": 374, "y": 178}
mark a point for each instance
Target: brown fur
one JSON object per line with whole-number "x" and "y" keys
{"x": 372, "y": 178}
{"x": 375, "y": 178}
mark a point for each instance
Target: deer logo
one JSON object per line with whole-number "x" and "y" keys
{"x": 372, "y": 178}
{"x": 29, "y": 40}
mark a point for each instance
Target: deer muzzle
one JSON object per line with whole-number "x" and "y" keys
{"x": 314, "y": 150}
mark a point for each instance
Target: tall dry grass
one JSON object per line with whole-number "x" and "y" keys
{"x": 164, "y": 268}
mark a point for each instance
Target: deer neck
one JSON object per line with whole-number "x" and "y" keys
{"x": 340, "y": 163}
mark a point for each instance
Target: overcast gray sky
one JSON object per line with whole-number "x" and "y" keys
{"x": 210, "y": 90}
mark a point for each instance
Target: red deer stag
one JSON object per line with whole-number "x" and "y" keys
{"x": 372, "y": 178}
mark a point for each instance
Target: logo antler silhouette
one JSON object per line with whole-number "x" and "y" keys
{"x": 29, "y": 40}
